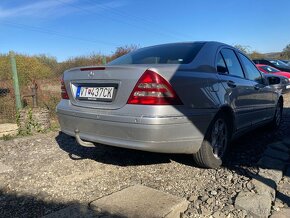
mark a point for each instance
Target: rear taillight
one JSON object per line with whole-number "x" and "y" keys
{"x": 153, "y": 89}
{"x": 64, "y": 94}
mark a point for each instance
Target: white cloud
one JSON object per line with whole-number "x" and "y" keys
{"x": 52, "y": 8}
{"x": 33, "y": 9}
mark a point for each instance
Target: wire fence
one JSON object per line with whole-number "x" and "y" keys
{"x": 48, "y": 95}
{"x": 7, "y": 102}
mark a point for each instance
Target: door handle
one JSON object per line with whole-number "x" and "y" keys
{"x": 231, "y": 84}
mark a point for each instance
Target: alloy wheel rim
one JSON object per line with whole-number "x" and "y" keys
{"x": 219, "y": 138}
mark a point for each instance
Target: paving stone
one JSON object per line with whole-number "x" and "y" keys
{"x": 140, "y": 201}
{"x": 8, "y": 129}
{"x": 265, "y": 187}
{"x": 283, "y": 213}
{"x": 279, "y": 146}
{"x": 255, "y": 204}
{"x": 283, "y": 197}
{"x": 271, "y": 163}
{"x": 275, "y": 175}
{"x": 276, "y": 154}
{"x": 4, "y": 168}
{"x": 284, "y": 187}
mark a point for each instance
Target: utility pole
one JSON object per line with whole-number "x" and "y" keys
{"x": 15, "y": 80}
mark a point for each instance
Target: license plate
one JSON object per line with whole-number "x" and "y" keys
{"x": 95, "y": 93}
{"x": 288, "y": 87}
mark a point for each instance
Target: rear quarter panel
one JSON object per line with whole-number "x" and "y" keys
{"x": 197, "y": 89}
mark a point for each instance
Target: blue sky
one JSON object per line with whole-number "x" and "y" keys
{"x": 68, "y": 28}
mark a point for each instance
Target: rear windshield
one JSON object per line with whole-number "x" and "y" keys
{"x": 270, "y": 69}
{"x": 278, "y": 63}
{"x": 182, "y": 53}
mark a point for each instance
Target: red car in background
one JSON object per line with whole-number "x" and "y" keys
{"x": 268, "y": 69}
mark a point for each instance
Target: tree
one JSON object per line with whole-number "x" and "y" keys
{"x": 49, "y": 61}
{"x": 243, "y": 48}
{"x": 79, "y": 61}
{"x": 256, "y": 55}
{"x": 286, "y": 52}
{"x": 5, "y": 67}
{"x": 31, "y": 68}
{"x": 120, "y": 51}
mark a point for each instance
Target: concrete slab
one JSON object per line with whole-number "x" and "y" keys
{"x": 284, "y": 213}
{"x": 275, "y": 175}
{"x": 265, "y": 187}
{"x": 257, "y": 205}
{"x": 140, "y": 201}
{"x": 8, "y": 129}
{"x": 4, "y": 168}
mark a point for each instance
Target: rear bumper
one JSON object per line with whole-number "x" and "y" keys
{"x": 174, "y": 134}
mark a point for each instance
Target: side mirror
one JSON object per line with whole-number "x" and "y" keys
{"x": 273, "y": 80}
{"x": 264, "y": 80}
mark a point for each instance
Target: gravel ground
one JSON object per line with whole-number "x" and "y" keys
{"x": 50, "y": 172}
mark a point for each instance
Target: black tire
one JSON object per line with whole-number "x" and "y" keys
{"x": 211, "y": 154}
{"x": 276, "y": 122}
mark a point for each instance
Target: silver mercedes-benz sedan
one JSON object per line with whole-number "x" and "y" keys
{"x": 190, "y": 98}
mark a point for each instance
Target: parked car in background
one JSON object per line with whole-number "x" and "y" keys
{"x": 268, "y": 69}
{"x": 279, "y": 82}
{"x": 273, "y": 63}
{"x": 190, "y": 98}
{"x": 286, "y": 62}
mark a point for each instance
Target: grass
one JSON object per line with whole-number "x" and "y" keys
{"x": 48, "y": 93}
{"x": 7, "y": 137}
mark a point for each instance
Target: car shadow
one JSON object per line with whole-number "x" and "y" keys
{"x": 15, "y": 205}
{"x": 262, "y": 137}
{"x": 109, "y": 154}
{"x": 243, "y": 153}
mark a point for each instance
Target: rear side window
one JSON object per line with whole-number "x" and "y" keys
{"x": 252, "y": 72}
{"x": 232, "y": 63}
{"x": 182, "y": 53}
{"x": 221, "y": 65}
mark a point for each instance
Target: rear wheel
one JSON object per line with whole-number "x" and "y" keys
{"x": 278, "y": 115}
{"x": 215, "y": 143}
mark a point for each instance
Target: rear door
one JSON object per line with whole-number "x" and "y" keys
{"x": 239, "y": 92}
{"x": 264, "y": 103}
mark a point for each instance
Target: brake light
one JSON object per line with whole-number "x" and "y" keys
{"x": 153, "y": 89}
{"x": 92, "y": 68}
{"x": 64, "y": 94}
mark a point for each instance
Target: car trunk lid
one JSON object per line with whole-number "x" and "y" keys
{"x": 102, "y": 87}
